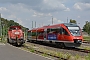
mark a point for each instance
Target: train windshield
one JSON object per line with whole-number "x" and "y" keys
{"x": 75, "y": 31}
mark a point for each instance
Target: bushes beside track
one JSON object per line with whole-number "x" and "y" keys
{"x": 86, "y": 38}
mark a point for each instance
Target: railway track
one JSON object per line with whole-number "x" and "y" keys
{"x": 37, "y": 48}
{"x": 50, "y": 50}
{"x": 88, "y": 42}
{"x": 49, "y": 55}
{"x": 72, "y": 51}
{"x": 79, "y": 50}
{"x": 85, "y": 44}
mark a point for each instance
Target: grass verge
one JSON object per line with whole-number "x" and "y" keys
{"x": 86, "y": 38}
{"x": 59, "y": 55}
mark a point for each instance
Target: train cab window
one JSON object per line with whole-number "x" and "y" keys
{"x": 75, "y": 31}
{"x": 12, "y": 28}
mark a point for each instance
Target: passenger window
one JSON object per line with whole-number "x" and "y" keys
{"x": 53, "y": 31}
{"x": 29, "y": 33}
{"x": 60, "y": 30}
{"x": 40, "y": 33}
{"x": 65, "y": 32}
{"x": 33, "y": 33}
{"x": 48, "y": 30}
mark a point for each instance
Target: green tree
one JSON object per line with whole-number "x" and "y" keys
{"x": 86, "y": 27}
{"x": 73, "y": 21}
{"x": 7, "y": 23}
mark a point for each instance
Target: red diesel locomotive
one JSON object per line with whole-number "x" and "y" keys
{"x": 15, "y": 35}
{"x": 64, "y": 35}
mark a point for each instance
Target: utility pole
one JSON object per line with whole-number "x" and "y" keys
{"x": 35, "y": 24}
{"x": 52, "y": 20}
{"x": 32, "y": 24}
{"x": 0, "y": 26}
{"x": 67, "y": 19}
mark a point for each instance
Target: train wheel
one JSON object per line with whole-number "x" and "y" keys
{"x": 28, "y": 41}
{"x": 18, "y": 43}
{"x": 32, "y": 41}
{"x": 60, "y": 44}
{"x": 8, "y": 40}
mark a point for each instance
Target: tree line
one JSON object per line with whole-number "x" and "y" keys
{"x": 5, "y": 24}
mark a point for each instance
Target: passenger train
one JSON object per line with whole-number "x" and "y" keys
{"x": 63, "y": 35}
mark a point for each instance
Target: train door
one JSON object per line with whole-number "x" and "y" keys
{"x": 45, "y": 34}
{"x": 40, "y": 35}
{"x": 60, "y": 34}
{"x": 29, "y": 35}
{"x": 33, "y": 35}
{"x": 65, "y": 35}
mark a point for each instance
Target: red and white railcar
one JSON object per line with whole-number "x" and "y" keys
{"x": 65, "y": 34}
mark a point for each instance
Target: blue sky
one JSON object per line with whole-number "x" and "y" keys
{"x": 41, "y": 11}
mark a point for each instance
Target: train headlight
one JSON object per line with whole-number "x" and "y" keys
{"x": 16, "y": 32}
{"x": 78, "y": 41}
{"x": 22, "y": 37}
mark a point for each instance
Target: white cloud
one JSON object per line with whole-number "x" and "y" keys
{"x": 18, "y": 8}
{"x": 68, "y": 9}
{"x": 59, "y": 21}
{"x": 78, "y": 17}
{"x": 54, "y": 6}
{"x": 82, "y": 6}
{"x": 48, "y": 5}
{"x": 11, "y": 17}
{"x": 76, "y": 6}
{"x": 3, "y": 9}
{"x": 20, "y": 21}
{"x": 37, "y": 14}
{"x": 41, "y": 11}
{"x": 40, "y": 5}
{"x": 17, "y": 12}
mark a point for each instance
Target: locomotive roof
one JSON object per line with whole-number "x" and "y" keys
{"x": 15, "y": 27}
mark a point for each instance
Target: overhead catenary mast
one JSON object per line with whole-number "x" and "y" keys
{"x": 52, "y": 20}
{"x": 0, "y": 26}
{"x": 67, "y": 19}
{"x": 32, "y": 24}
{"x": 35, "y": 24}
